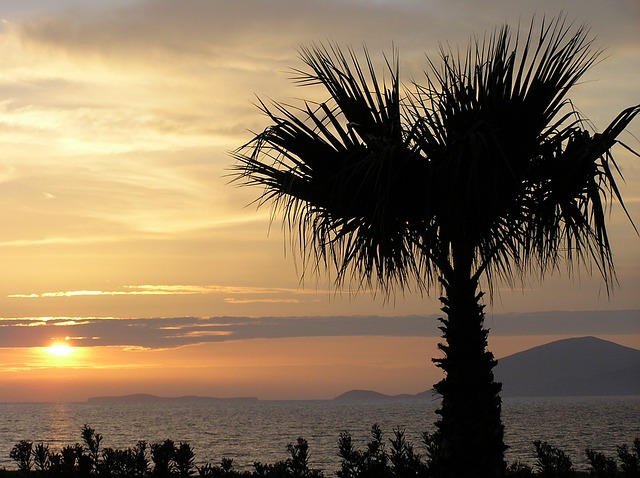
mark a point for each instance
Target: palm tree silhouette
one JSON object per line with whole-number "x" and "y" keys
{"x": 485, "y": 173}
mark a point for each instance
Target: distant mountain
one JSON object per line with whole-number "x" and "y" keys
{"x": 353, "y": 395}
{"x": 585, "y": 366}
{"x": 147, "y": 398}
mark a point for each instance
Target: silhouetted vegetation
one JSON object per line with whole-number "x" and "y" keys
{"x": 552, "y": 462}
{"x": 630, "y": 459}
{"x": 381, "y": 458}
{"x": 22, "y": 454}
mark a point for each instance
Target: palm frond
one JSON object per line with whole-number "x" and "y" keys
{"x": 343, "y": 174}
{"x": 491, "y": 123}
{"x": 486, "y": 169}
{"x": 567, "y": 205}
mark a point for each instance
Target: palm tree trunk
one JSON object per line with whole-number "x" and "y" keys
{"x": 470, "y": 432}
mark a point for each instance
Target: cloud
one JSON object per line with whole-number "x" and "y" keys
{"x": 231, "y": 300}
{"x": 169, "y": 290}
{"x": 154, "y": 333}
{"x": 210, "y": 29}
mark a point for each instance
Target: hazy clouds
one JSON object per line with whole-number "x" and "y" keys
{"x": 179, "y": 331}
{"x": 116, "y": 119}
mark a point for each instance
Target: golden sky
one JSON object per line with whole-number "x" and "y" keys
{"x": 116, "y": 119}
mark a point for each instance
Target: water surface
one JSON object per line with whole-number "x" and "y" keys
{"x": 260, "y": 431}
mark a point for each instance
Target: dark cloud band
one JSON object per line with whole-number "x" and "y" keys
{"x": 173, "y": 332}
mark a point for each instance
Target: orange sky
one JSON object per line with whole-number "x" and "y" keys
{"x": 116, "y": 119}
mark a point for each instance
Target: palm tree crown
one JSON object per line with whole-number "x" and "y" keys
{"x": 486, "y": 169}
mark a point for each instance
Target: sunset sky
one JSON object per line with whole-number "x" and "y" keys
{"x": 122, "y": 237}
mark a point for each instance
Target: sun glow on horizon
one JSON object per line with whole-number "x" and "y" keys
{"x": 61, "y": 354}
{"x": 60, "y": 349}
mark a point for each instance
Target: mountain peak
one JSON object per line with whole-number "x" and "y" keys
{"x": 571, "y": 367}
{"x": 579, "y": 366}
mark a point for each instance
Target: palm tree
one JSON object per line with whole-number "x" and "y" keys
{"x": 486, "y": 173}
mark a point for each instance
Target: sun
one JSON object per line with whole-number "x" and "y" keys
{"x": 60, "y": 349}
{"x": 60, "y": 353}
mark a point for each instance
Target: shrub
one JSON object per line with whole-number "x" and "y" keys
{"x": 183, "y": 457}
{"x": 139, "y": 461}
{"x": 552, "y": 462}
{"x": 296, "y": 466}
{"x": 41, "y": 457}
{"x": 519, "y": 470}
{"x": 208, "y": 469}
{"x": 22, "y": 453}
{"x": 299, "y": 459}
{"x": 276, "y": 470}
{"x": 352, "y": 460}
{"x": 602, "y": 466}
{"x": 224, "y": 470}
{"x": 119, "y": 463}
{"x": 400, "y": 461}
{"x": 162, "y": 455}
{"x": 92, "y": 440}
{"x": 55, "y": 464}
{"x": 404, "y": 461}
{"x": 376, "y": 462}
{"x": 73, "y": 461}
{"x": 108, "y": 466}
{"x": 630, "y": 459}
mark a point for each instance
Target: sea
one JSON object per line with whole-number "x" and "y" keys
{"x": 250, "y": 431}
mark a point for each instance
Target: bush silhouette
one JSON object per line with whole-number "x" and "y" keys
{"x": 183, "y": 457}
{"x": 41, "y": 457}
{"x": 376, "y": 460}
{"x": 22, "y": 454}
{"x": 552, "y": 462}
{"x": 630, "y": 459}
{"x": 162, "y": 455}
{"x": 602, "y": 465}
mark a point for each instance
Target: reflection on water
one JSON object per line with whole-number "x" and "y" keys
{"x": 260, "y": 431}
{"x": 59, "y": 422}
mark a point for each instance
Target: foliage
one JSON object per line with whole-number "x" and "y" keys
{"x": 630, "y": 459}
{"x": 602, "y": 465}
{"x": 131, "y": 462}
{"x": 519, "y": 470}
{"x": 74, "y": 461}
{"x": 372, "y": 462}
{"x": 41, "y": 457}
{"x": 404, "y": 461}
{"x": 92, "y": 440}
{"x": 138, "y": 459}
{"x": 183, "y": 457}
{"x": 488, "y": 158}
{"x": 433, "y": 453}
{"x": 224, "y": 470}
{"x": 375, "y": 461}
{"x": 299, "y": 460}
{"x": 351, "y": 459}
{"x": 296, "y": 466}
{"x": 22, "y": 454}
{"x": 552, "y": 462}
{"x": 380, "y": 458}
{"x": 162, "y": 455}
